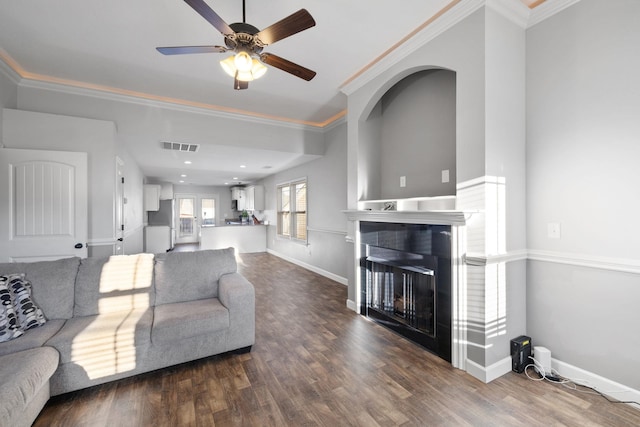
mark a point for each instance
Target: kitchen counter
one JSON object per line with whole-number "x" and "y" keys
{"x": 245, "y": 238}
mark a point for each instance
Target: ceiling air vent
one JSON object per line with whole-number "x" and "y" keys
{"x": 179, "y": 146}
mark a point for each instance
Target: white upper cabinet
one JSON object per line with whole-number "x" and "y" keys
{"x": 255, "y": 198}
{"x": 152, "y": 197}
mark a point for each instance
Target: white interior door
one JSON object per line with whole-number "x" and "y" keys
{"x": 43, "y": 204}
{"x": 188, "y": 229}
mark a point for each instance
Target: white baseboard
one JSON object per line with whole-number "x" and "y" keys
{"x": 489, "y": 373}
{"x": 351, "y": 305}
{"x": 327, "y": 274}
{"x": 603, "y": 385}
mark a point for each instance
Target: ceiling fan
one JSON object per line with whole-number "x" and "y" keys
{"x": 247, "y": 42}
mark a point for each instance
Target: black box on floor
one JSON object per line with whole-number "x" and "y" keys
{"x": 520, "y": 352}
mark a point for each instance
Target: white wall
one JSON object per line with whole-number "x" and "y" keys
{"x": 26, "y": 129}
{"x": 583, "y": 105}
{"x": 142, "y": 125}
{"x": 327, "y": 198}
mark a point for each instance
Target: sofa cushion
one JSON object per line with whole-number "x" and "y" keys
{"x": 22, "y": 377}
{"x": 172, "y": 322}
{"x": 189, "y": 276}
{"x": 105, "y": 344}
{"x": 114, "y": 284}
{"x": 33, "y": 338}
{"x": 9, "y": 323}
{"x": 52, "y": 284}
{"x": 26, "y": 310}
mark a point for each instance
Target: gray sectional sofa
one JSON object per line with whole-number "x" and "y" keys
{"x": 120, "y": 316}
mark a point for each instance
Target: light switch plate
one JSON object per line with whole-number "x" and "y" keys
{"x": 553, "y": 230}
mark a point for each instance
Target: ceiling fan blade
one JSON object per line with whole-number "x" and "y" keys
{"x": 213, "y": 18}
{"x": 239, "y": 84}
{"x": 181, "y": 50}
{"x": 288, "y": 66}
{"x": 292, "y": 24}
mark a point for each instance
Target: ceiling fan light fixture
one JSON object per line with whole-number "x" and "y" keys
{"x": 228, "y": 66}
{"x": 243, "y": 62}
{"x": 255, "y": 70}
{"x": 244, "y": 76}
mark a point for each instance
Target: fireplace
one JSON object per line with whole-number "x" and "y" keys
{"x": 406, "y": 281}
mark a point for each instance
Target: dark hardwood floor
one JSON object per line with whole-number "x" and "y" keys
{"x": 316, "y": 363}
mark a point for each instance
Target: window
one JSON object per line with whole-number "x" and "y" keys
{"x": 292, "y": 210}
{"x": 208, "y": 214}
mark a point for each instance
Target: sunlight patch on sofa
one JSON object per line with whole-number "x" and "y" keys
{"x": 107, "y": 345}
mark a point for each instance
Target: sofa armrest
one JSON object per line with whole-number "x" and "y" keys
{"x": 237, "y": 294}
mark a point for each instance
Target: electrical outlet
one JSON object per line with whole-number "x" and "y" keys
{"x": 553, "y": 230}
{"x": 403, "y": 181}
{"x": 445, "y": 175}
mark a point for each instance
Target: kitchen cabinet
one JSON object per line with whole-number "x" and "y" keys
{"x": 238, "y": 194}
{"x": 255, "y": 198}
{"x": 151, "y": 197}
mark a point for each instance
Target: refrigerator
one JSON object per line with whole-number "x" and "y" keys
{"x": 164, "y": 217}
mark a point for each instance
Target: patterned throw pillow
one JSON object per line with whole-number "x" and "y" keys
{"x": 27, "y": 313}
{"x": 9, "y": 324}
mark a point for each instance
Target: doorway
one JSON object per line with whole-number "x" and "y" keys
{"x": 187, "y": 219}
{"x": 43, "y": 205}
{"x": 193, "y": 211}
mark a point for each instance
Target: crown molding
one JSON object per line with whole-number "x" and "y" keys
{"x": 449, "y": 16}
{"x": 452, "y": 14}
{"x": 174, "y": 104}
{"x": 548, "y": 9}
{"x": 25, "y": 79}
{"x": 8, "y": 71}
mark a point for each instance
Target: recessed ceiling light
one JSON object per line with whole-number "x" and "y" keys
{"x": 243, "y": 166}
{"x": 183, "y": 176}
{"x": 235, "y": 177}
{"x": 187, "y": 162}
{"x": 181, "y": 181}
{"x": 226, "y": 183}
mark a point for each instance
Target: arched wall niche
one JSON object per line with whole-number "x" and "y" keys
{"x": 408, "y": 129}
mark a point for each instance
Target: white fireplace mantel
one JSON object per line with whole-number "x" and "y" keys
{"x": 439, "y": 217}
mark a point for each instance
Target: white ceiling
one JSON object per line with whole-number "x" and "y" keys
{"x": 111, "y": 45}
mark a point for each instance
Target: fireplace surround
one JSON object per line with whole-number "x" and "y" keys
{"x": 457, "y": 222}
{"x": 405, "y": 281}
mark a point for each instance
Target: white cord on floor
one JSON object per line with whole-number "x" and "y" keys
{"x": 569, "y": 383}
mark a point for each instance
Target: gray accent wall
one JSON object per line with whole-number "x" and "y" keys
{"x": 327, "y": 249}
{"x": 583, "y": 146}
{"x": 419, "y": 136}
